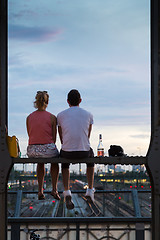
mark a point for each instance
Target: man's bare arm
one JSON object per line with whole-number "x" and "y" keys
{"x": 89, "y": 130}
{"x": 60, "y": 133}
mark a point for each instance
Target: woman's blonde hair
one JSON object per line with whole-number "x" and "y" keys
{"x": 42, "y": 99}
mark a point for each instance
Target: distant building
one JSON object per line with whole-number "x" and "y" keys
{"x": 115, "y": 168}
{"x": 138, "y": 168}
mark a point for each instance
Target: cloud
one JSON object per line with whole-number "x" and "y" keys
{"x": 33, "y": 34}
{"x": 104, "y": 54}
{"x": 16, "y": 60}
{"x": 143, "y": 136}
{"x": 22, "y": 14}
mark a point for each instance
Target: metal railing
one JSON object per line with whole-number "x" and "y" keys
{"x": 80, "y": 228}
{"x": 138, "y": 227}
{"x": 128, "y": 160}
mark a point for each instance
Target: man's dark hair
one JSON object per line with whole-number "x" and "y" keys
{"x": 74, "y": 97}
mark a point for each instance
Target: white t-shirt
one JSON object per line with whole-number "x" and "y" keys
{"x": 75, "y": 123}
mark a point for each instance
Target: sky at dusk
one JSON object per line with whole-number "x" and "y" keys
{"x": 101, "y": 48}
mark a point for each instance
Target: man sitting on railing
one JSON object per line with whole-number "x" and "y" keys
{"x": 74, "y": 127}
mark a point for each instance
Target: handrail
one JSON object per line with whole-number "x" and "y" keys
{"x": 78, "y": 219}
{"x": 126, "y": 160}
{"x": 83, "y": 191}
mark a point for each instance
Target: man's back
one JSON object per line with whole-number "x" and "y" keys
{"x": 75, "y": 123}
{"x": 74, "y": 127}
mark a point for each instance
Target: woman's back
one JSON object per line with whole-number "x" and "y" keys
{"x": 40, "y": 128}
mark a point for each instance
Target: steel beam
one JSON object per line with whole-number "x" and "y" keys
{"x": 3, "y": 63}
{"x": 5, "y": 160}
{"x": 153, "y": 156}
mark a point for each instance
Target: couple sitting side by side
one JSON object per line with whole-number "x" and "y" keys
{"x": 74, "y": 127}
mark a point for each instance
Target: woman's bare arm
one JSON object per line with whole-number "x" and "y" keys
{"x": 54, "y": 127}
{"x": 27, "y": 125}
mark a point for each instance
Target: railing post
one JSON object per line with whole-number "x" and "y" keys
{"x": 139, "y": 231}
{"x": 15, "y": 231}
{"x": 77, "y": 232}
{"x": 18, "y": 204}
{"x": 136, "y": 203}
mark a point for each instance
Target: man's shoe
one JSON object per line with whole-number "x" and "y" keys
{"x": 69, "y": 203}
{"x": 90, "y": 195}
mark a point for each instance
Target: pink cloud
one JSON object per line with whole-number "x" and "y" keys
{"x": 33, "y": 34}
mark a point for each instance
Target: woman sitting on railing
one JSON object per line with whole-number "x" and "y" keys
{"x": 42, "y": 131}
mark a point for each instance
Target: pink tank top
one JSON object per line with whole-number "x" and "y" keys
{"x": 40, "y": 128}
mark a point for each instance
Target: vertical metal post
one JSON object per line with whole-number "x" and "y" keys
{"x": 77, "y": 232}
{"x": 3, "y": 63}
{"x": 15, "y": 231}
{"x": 18, "y": 204}
{"x": 153, "y": 156}
{"x": 139, "y": 231}
{"x": 104, "y": 196}
{"x": 136, "y": 203}
{"x": 5, "y": 160}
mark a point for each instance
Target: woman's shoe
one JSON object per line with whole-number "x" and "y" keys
{"x": 41, "y": 196}
{"x": 55, "y": 195}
